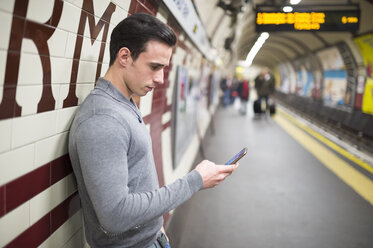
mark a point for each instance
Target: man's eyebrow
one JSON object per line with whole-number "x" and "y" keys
{"x": 156, "y": 64}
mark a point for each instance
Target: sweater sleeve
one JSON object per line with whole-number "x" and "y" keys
{"x": 103, "y": 161}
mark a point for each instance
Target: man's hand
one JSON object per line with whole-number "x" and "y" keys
{"x": 213, "y": 174}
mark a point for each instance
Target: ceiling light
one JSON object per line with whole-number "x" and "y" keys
{"x": 293, "y": 2}
{"x": 255, "y": 49}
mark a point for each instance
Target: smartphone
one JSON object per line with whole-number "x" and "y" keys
{"x": 237, "y": 157}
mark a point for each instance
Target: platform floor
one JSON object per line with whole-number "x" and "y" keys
{"x": 284, "y": 194}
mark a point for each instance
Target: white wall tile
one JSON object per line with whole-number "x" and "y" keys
{"x": 104, "y": 69}
{"x": 146, "y": 103}
{"x": 5, "y": 26}
{"x": 3, "y": 56}
{"x": 5, "y": 134}
{"x": 76, "y": 241}
{"x": 70, "y": 46}
{"x": 111, "y": 27}
{"x": 28, "y": 46}
{"x": 87, "y": 72}
{"x": 64, "y": 119}
{"x": 91, "y": 51}
{"x": 30, "y": 69}
{"x": 76, "y": 3}
{"x": 170, "y": 89}
{"x": 1, "y": 93}
{"x": 56, "y": 94}
{"x": 51, "y": 148}
{"x": 57, "y": 43}
{"x": 39, "y": 10}
{"x": 69, "y": 18}
{"x": 7, "y": 5}
{"x": 64, "y": 91}
{"x": 14, "y": 223}
{"x": 162, "y": 16}
{"x": 83, "y": 90}
{"x": 99, "y": 7}
{"x": 47, "y": 200}
{"x": 28, "y": 97}
{"x": 16, "y": 163}
{"x": 167, "y": 155}
{"x": 166, "y": 117}
{"x": 63, "y": 234}
{"x": 28, "y": 129}
{"x": 119, "y": 14}
{"x": 61, "y": 70}
{"x": 106, "y": 59}
{"x": 124, "y": 4}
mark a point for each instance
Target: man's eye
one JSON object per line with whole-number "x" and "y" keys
{"x": 156, "y": 67}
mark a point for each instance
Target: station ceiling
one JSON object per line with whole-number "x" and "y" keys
{"x": 230, "y": 25}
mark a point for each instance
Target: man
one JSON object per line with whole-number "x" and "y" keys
{"x": 265, "y": 86}
{"x": 110, "y": 147}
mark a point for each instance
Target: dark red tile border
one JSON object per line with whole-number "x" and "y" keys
{"x": 2, "y": 201}
{"x": 8, "y": 104}
{"x": 33, "y": 236}
{"x": 137, "y": 6}
{"x": 41, "y": 230}
{"x": 60, "y": 168}
{"x": 25, "y": 187}
{"x": 151, "y": 5}
{"x": 64, "y": 211}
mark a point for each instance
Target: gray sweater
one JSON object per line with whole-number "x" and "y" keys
{"x": 111, "y": 154}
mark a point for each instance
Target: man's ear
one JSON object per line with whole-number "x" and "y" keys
{"x": 123, "y": 56}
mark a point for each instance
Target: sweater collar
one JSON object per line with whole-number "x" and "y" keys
{"x": 110, "y": 89}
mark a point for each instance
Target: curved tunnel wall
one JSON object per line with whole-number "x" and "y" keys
{"x": 51, "y": 53}
{"x": 333, "y": 84}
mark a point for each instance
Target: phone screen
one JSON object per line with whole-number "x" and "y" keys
{"x": 237, "y": 157}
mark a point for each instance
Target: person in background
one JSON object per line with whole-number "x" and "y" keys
{"x": 234, "y": 90}
{"x": 111, "y": 150}
{"x": 244, "y": 91}
{"x": 265, "y": 86}
{"x": 225, "y": 88}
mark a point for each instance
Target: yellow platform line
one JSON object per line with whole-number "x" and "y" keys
{"x": 329, "y": 143}
{"x": 356, "y": 180}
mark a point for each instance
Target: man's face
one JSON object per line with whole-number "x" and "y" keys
{"x": 146, "y": 72}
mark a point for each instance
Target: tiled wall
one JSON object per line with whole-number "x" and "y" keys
{"x": 51, "y": 53}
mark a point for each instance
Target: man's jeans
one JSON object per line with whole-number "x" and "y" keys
{"x": 161, "y": 242}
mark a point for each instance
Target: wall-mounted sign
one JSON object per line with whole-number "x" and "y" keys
{"x": 187, "y": 17}
{"x": 308, "y": 18}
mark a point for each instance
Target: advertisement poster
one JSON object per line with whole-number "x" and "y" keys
{"x": 335, "y": 81}
{"x": 365, "y": 45}
{"x": 287, "y": 78}
{"x": 305, "y": 83}
{"x": 184, "y": 112}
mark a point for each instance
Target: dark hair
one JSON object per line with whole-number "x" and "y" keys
{"x": 135, "y": 31}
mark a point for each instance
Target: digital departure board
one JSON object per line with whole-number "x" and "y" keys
{"x": 306, "y": 18}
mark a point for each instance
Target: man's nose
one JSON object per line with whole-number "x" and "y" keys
{"x": 158, "y": 77}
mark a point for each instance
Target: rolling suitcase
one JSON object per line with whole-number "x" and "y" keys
{"x": 257, "y": 107}
{"x": 272, "y": 106}
{"x": 272, "y": 109}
